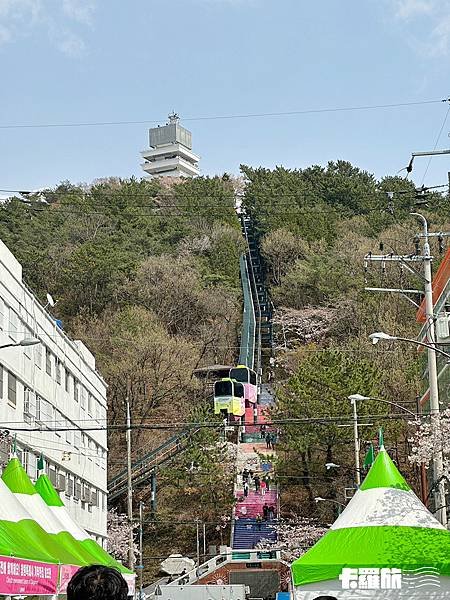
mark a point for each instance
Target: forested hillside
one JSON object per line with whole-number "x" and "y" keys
{"x": 147, "y": 275}
{"x": 315, "y": 226}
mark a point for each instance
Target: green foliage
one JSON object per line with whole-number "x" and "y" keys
{"x": 320, "y": 387}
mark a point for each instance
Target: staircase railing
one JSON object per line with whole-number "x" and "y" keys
{"x": 141, "y": 469}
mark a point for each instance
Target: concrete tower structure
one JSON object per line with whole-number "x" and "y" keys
{"x": 170, "y": 153}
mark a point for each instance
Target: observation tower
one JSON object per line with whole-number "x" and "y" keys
{"x": 170, "y": 153}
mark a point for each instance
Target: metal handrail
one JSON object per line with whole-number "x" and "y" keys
{"x": 140, "y": 469}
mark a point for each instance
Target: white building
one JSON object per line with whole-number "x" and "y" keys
{"x": 170, "y": 153}
{"x": 50, "y": 385}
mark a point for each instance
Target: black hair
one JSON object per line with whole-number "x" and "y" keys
{"x": 325, "y": 598}
{"x": 97, "y": 582}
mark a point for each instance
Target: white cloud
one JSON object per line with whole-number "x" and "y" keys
{"x": 407, "y": 9}
{"x": 71, "y": 44}
{"x": 79, "y": 10}
{"x": 426, "y": 23}
{"x": 20, "y": 18}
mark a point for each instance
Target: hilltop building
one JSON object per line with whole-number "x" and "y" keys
{"x": 170, "y": 153}
{"x": 46, "y": 386}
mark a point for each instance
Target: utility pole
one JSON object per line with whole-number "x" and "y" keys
{"x": 438, "y": 467}
{"x": 356, "y": 435}
{"x": 130, "y": 485}
{"x": 197, "y": 524}
{"x": 426, "y": 259}
{"x": 141, "y": 552}
{"x": 204, "y": 541}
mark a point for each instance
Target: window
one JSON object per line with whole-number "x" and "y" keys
{"x": 31, "y": 465}
{"x": 76, "y": 390}
{"x": 70, "y": 485}
{"x": 12, "y": 388}
{"x": 12, "y": 325}
{"x": 83, "y": 398}
{"x": 77, "y": 492}
{"x": 77, "y": 438}
{"x": 44, "y": 412}
{"x": 67, "y": 380}
{"x": 69, "y": 433}
{"x": 29, "y": 405}
{"x": 2, "y": 314}
{"x": 89, "y": 404}
{"x": 1, "y": 381}
{"x": 52, "y": 474}
{"x": 48, "y": 361}
{"x": 27, "y": 350}
{"x": 59, "y": 422}
{"x": 38, "y": 355}
{"x": 58, "y": 370}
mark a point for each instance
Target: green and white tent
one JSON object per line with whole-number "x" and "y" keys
{"x": 70, "y": 550}
{"x": 386, "y": 544}
{"x": 21, "y": 536}
{"x": 55, "y": 506}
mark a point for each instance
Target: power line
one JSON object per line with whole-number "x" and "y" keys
{"x": 436, "y": 143}
{"x": 215, "y": 424}
{"x": 226, "y": 117}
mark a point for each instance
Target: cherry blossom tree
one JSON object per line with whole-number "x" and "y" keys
{"x": 294, "y": 537}
{"x": 118, "y": 528}
{"x": 430, "y": 439}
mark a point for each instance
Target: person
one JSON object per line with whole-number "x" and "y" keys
{"x": 262, "y": 430}
{"x": 97, "y": 582}
{"x": 266, "y": 511}
{"x": 257, "y": 482}
{"x": 271, "y": 512}
{"x": 245, "y": 474}
{"x": 263, "y": 487}
{"x": 245, "y": 489}
{"x": 258, "y": 521}
{"x": 268, "y": 439}
{"x": 267, "y": 481}
{"x": 273, "y": 440}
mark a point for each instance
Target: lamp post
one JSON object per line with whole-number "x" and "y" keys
{"x": 359, "y": 397}
{"x": 353, "y": 400}
{"x": 25, "y": 342}
{"x": 380, "y": 335}
{"x": 318, "y": 499}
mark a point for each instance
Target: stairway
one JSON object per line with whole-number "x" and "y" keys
{"x": 247, "y": 533}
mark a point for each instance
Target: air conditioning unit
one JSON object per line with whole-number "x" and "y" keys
{"x": 443, "y": 327}
{"x": 61, "y": 483}
{"x": 52, "y": 475}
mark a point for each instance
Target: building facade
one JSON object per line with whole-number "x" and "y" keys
{"x": 48, "y": 386}
{"x": 170, "y": 153}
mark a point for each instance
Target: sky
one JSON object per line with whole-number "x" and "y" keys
{"x": 78, "y": 61}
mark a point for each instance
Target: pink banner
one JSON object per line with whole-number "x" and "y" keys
{"x": 26, "y": 577}
{"x": 65, "y": 575}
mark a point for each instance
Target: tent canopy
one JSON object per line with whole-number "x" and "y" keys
{"x": 384, "y": 525}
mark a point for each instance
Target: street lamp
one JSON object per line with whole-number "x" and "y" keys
{"x": 359, "y": 397}
{"x": 318, "y": 499}
{"x": 31, "y": 341}
{"x": 380, "y": 335}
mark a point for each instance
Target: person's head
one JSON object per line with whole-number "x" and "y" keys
{"x": 97, "y": 582}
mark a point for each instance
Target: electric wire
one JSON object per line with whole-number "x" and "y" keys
{"x": 435, "y": 145}
{"x": 226, "y": 117}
